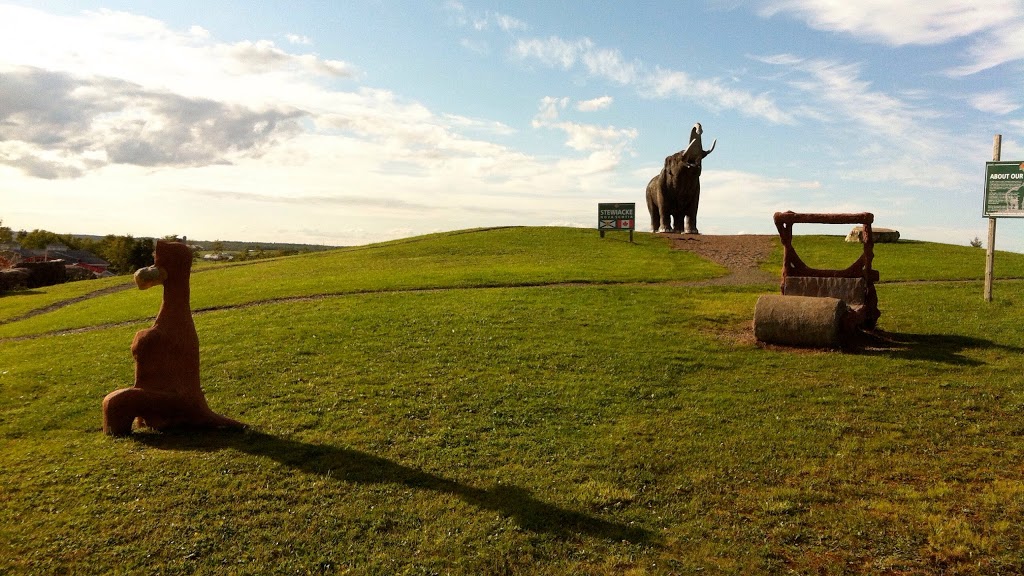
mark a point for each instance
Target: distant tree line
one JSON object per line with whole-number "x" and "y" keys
{"x": 124, "y": 253}
{"x": 127, "y": 254}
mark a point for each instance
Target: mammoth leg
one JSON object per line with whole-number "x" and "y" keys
{"x": 691, "y": 212}
{"x": 655, "y": 218}
{"x": 667, "y": 208}
{"x": 678, "y": 211}
{"x": 659, "y": 204}
{"x": 691, "y": 199}
{"x": 666, "y": 218}
{"x": 678, "y": 218}
{"x": 675, "y": 193}
{"x": 653, "y": 208}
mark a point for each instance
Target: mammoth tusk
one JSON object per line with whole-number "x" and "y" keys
{"x": 713, "y": 146}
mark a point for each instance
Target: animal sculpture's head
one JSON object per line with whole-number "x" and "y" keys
{"x": 170, "y": 260}
{"x": 696, "y": 131}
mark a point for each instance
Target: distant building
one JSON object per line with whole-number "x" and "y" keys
{"x": 80, "y": 258}
{"x": 218, "y": 256}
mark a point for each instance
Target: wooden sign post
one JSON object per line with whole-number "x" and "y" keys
{"x": 990, "y": 246}
{"x": 1004, "y": 198}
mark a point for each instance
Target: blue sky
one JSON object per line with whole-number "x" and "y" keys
{"x": 353, "y": 122}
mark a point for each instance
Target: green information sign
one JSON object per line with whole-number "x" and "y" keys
{"x": 1004, "y": 190}
{"x": 618, "y": 216}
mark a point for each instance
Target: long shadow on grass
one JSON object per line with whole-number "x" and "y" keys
{"x": 347, "y": 465}
{"x": 944, "y": 348}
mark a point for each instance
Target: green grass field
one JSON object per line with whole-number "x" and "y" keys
{"x": 524, "y": 401}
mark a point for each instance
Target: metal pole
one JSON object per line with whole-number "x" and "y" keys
{"x": 990, "y": 248}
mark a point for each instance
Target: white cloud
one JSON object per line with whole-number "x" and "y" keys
{"x": 480, "y": 23}
{"x": 479, "y": 125}
{"x": 503, "y": 21}
{"x": 840, "y": 85}
{"x": 590, "y": 137}
{"x": 781, "y": 59}
{"x": 607, "y": 141}
{"x": 999, "y": 46}
{"x": 600, "y": 103}
{"x": 994, "y": 103}
{"x": 134, "y": 115}
{"x": 148, "y": 53}
{"x": 610, "y": 65}
{"x": 885, "y": 138}
{"x": 53, "y": 124}
{"x": 548, "y": 112}
{"x": 992, "y": 25}
{"x": 457, "y": 12}
{"x": 264, "y": 57}
{"x": 899, "y": 22}
{"x": 509, "y": 23}
{"x": 257, "y": 56}
{"x": 298, "y": 39}
{"x": 473, "y": 45}
{"x": 739, "y": 194}
{"x": 1016, "y": 126}
{"x": 713, "y": 94}
{"x": 556, "y": 52}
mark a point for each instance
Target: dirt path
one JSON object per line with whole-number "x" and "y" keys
{"x": 75, "y": 300}
{"x": 96, "y": 294}
{"x": 742, "y": 254}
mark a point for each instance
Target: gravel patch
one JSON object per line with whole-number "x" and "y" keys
{"x": 742, "y": 254}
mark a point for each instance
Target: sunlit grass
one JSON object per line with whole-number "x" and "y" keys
{"x": 476, "y": 258}
{"x": 20, "y": 302}
{"x": 585, "y": 428}
{"x": 904, "y": 260}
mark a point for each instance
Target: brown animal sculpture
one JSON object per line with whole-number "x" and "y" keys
{"x": 167, "y": 393}
{"x": 674, "y": 194}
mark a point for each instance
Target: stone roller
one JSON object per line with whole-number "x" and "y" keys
{"x": 806, "y": 321}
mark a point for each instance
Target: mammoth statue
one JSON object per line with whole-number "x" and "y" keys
{"x": 673, "y": 195}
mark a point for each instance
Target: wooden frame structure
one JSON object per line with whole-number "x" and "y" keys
{"x": 854, "y": 285}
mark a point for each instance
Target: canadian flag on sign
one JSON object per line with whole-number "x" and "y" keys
{"x": 625, "y": 223}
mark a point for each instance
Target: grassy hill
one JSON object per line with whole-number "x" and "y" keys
{"x": 524, "y": 401}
